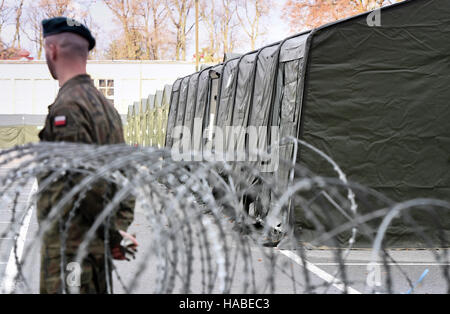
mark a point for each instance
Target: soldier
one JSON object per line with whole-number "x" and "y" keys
{"x": 79, "y": 114}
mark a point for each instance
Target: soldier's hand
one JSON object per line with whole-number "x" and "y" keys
{"x": 127, "y": 249}
{"x": 129, "y": 240}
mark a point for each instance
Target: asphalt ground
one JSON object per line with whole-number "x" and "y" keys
{"x": 265, "y": 270}
{"x": 288, "y": 270}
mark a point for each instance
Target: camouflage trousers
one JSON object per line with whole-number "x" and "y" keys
{"x": 90, "y": 278}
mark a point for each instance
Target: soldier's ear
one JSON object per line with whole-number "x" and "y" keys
{"x": 53, "y": 52}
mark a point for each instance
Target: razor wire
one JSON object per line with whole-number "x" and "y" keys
{"x": 199, "y": 234}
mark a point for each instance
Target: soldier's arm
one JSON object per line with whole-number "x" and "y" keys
{"x": 121, "y": 221}
{"x": 69, "y": 124}
{"x": 125, "y": 214}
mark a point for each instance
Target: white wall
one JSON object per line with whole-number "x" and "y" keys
{"x": 26, "y": 87}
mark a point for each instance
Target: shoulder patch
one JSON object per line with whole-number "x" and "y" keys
{"x": 60, "y": 121}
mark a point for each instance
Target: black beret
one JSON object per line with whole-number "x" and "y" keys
{"x": 59, "y": 25}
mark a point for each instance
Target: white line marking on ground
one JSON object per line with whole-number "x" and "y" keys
{"x": 11, "y": 268}
{"x": 319, "y": 272}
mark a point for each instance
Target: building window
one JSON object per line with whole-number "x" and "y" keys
{"x": 106, "y": 87}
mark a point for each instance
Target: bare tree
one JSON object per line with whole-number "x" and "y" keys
{"x": 38, "y": 10}
{"x": 250, "y": 14}
{"x": 178, "y": 12}
{"x": 19, "y": 9}
{"x": 5, "y": 12}
{"x": 33, "y": 30}
{"x": 211, "y": 20}
{"x": 154, "y": 15}
{"x": 306, "y": 14}
{"x": 220, "y": 21}
{"x": 367, "y": 5}
{"x": 126, "y": 11}
{"x": 116, "y": 49}
{"x": 54, "y": 8}
{"x": 228, "y": 25}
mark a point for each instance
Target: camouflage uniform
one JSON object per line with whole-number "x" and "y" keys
{"x": 80, "y": 114}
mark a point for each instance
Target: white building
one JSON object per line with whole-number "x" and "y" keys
{"x": 27, "y": 88}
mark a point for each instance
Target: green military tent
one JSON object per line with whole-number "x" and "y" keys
{"x": 137, "y": 123}
{"x": 164, "y": 112}
{"x": 130, "y": 126}
{"x": 173, "y": 109}
{"x": 20, "y": 129}
{"x": 370, "y": 91}
{"x": 151, "y": 119}
{"x": 143, "y": 123}
{"x": 157, "y": 118}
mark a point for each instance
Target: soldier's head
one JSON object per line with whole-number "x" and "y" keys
{"x": 64, "y": 51}
{"x": 67, "y": 44}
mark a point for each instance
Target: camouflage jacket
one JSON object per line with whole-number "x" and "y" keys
{"x": 82, "y": 114}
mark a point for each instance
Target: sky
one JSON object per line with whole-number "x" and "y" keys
{"x": 103, "y": 17}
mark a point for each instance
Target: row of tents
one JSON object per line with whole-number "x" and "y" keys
{"x": 147, "y": 120}
{"x": 370, "y": 91}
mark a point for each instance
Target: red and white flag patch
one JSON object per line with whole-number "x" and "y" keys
{"x": 60, "y": 121}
